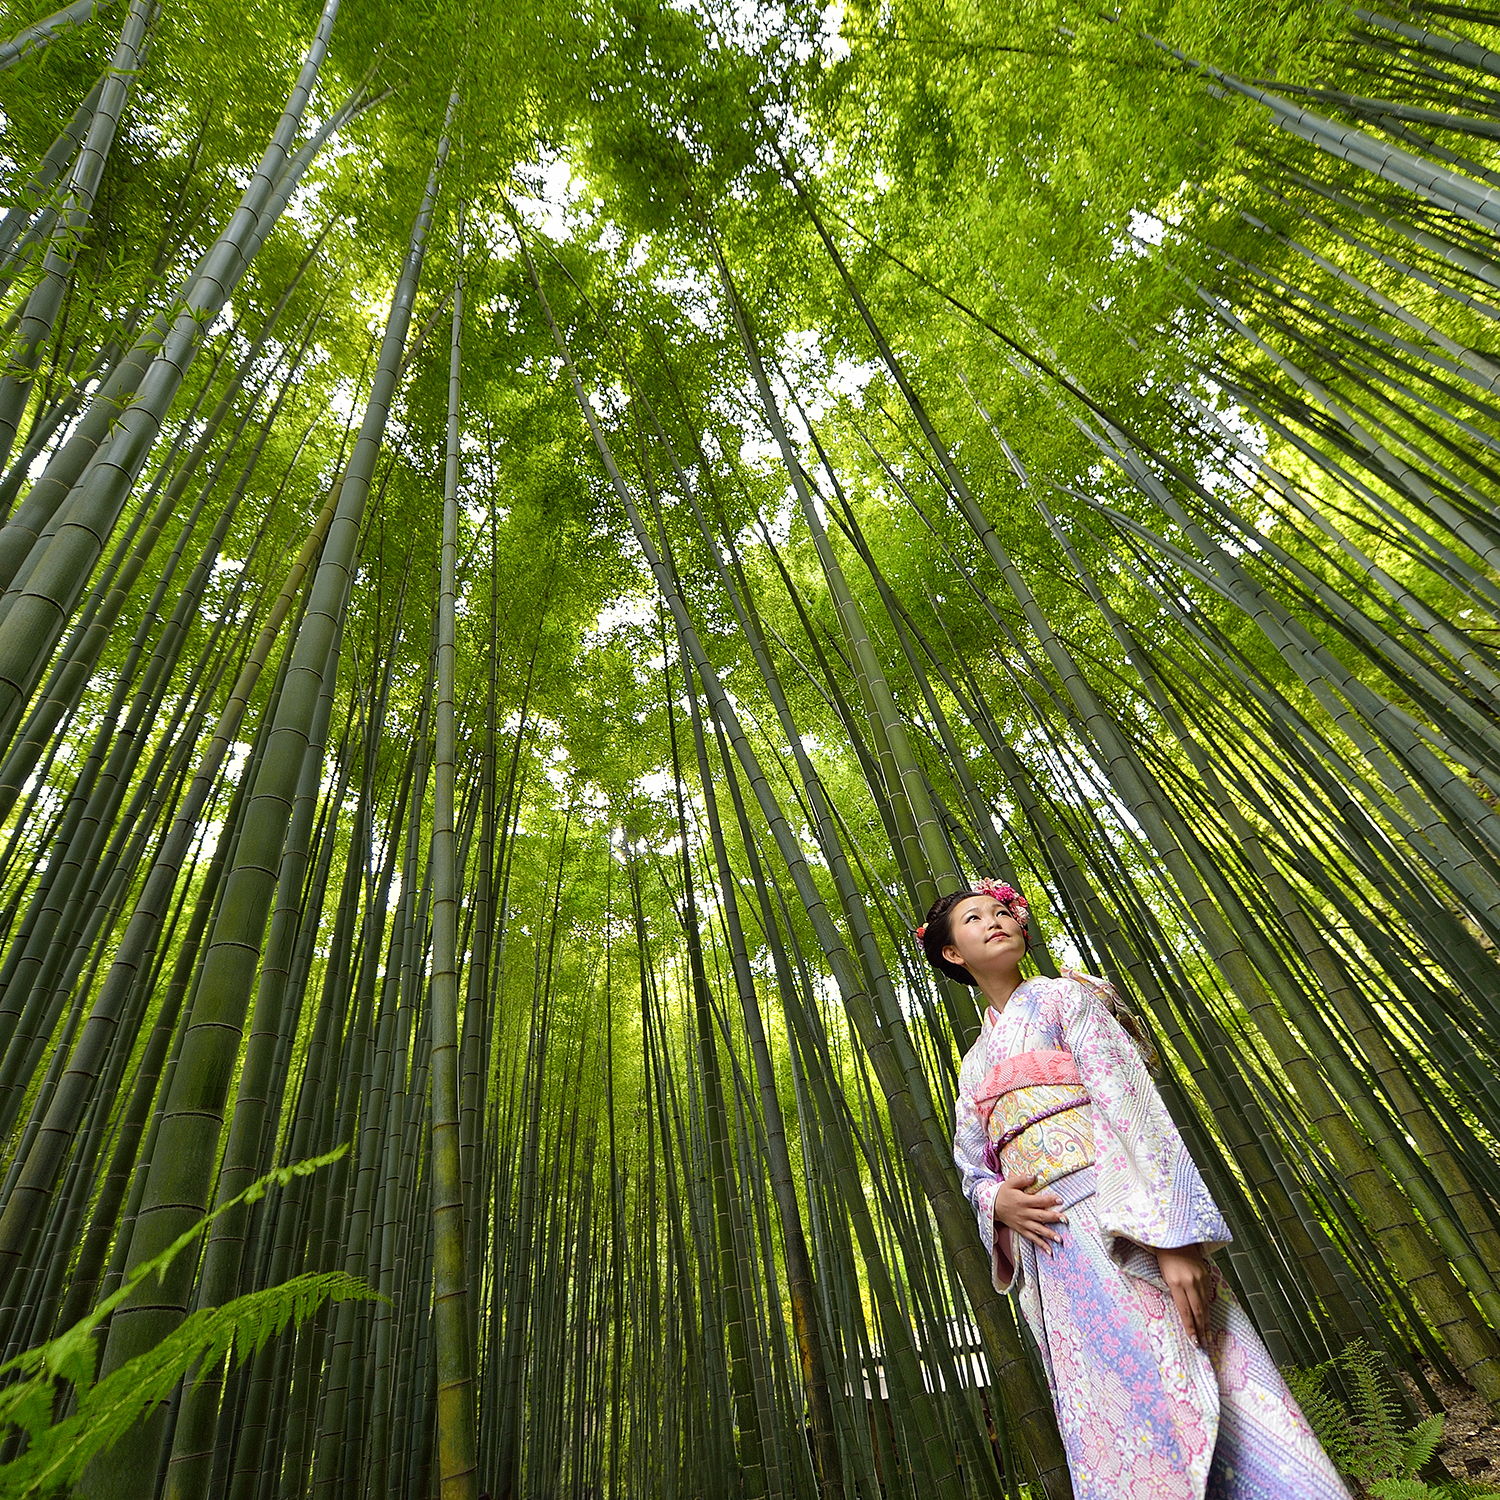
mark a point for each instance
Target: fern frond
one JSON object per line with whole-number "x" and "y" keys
{"x": 1422, "y": 1442}
{"x": 1374, "y": 1413}
{"x": 73, "y": 1355}
{"x": 205, "y": 1339}
{"x": 27, "y": 1405}
{"x": 59, "y": 1452}
{"x": 1401, "y": 1489}
{"x": 1363, "y": 1438}
{"x": 1325, "y": 1414}
{"x": 157, "y": 1265}
{"x": 276, "y": 1177}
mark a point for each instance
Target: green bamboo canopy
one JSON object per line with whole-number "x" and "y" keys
{"x": 534, "y": 545}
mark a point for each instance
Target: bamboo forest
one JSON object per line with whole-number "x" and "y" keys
{"x": 536, "y": 542}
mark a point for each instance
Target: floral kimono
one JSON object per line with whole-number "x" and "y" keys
{"x": 1055, "y": 1086}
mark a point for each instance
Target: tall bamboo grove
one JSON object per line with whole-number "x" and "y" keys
{"x": 532, "y": 546}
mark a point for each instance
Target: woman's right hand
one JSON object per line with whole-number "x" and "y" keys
{"x": 1029, "y": 1214}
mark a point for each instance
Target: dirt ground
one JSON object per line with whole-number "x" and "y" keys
{"x": 1471, "y": 1435}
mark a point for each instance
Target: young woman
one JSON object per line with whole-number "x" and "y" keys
{"x": 1094, "y": 1214}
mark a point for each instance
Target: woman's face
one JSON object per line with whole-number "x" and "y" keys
{"x": 986, "y": 938}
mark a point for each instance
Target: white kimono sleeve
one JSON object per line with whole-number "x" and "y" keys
{"x": 979, "y": 1183}
{"x": 1149, "y": 1189}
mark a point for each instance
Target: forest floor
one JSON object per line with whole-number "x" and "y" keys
{"x": 1471, "y": 1434}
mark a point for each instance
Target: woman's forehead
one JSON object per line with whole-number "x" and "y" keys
{"x": 982, "y": 901}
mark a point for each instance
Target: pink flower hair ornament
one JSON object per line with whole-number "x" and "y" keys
{"x": 1008, "y": 896}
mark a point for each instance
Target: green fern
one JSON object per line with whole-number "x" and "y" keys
{"x": 1365, "y": 1439}
{"x": 1423, "y": 1442}
{"x": 1325, "y": 1413}
{"x": 57, "y": 1452}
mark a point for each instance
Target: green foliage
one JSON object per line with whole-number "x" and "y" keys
{"x": 1364, "y": 1437}
{"x": 62, "y": 1370}
{"x": 1023, "y": 191}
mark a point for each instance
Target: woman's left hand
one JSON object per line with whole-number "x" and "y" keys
{"x": 1189, "y": 1278}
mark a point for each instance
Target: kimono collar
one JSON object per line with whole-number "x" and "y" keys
{"x": 994, "y": 1017}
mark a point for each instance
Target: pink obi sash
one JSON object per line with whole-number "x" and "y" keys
{"x": 1035, "y": 1111}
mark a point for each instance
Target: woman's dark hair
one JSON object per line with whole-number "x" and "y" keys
{"x": 937, "y": 934}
